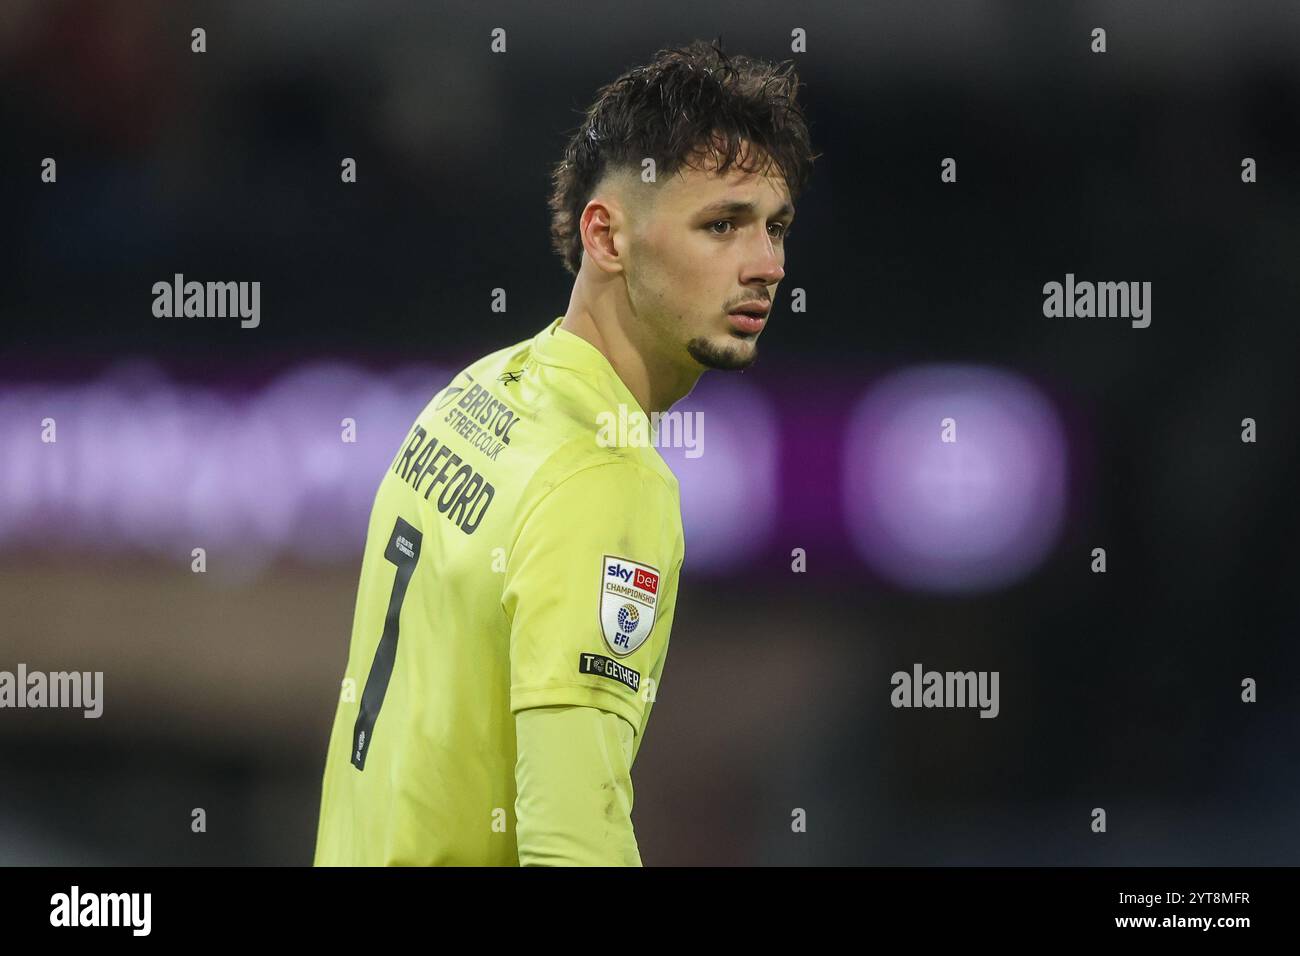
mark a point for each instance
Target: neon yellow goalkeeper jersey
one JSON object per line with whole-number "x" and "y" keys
{"x": 516, "y": 558}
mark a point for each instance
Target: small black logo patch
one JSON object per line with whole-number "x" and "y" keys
{"x": 608, "y": 667}
{"x": 450, "y": 392}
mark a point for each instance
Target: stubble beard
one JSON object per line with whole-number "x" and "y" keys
{"x": 712, "y": 355}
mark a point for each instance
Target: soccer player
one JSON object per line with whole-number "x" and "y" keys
{"x": 520, "y": 574}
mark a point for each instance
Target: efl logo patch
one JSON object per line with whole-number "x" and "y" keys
{"x": 608, "y": 667}
{"x": 629, "y": 593}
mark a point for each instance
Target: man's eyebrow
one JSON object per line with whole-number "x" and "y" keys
{"x": 737, "y": 207}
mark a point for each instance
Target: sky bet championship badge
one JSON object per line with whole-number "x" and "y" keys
{"x": 629, "y": 593}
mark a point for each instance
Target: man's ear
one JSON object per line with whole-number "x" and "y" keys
{"x": 597, "y": 226}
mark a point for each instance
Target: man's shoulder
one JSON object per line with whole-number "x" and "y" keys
{"x": 495, "y": 372}
{"x": 546, "y": 421}
{"x": 581, "y": 467}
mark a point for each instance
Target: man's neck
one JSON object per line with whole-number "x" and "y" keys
{"x": 656, "y": 384}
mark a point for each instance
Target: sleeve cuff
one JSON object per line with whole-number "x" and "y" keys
{"x": 579, "y": 695}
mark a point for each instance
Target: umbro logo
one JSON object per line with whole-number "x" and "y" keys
{"x": 451, "y": 391}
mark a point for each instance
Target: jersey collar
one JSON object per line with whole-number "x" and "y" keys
{"x": 560, "y": 347}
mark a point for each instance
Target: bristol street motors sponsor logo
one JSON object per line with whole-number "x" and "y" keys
{"x": 628, "y": 594}
{"x": 479, "y": 415}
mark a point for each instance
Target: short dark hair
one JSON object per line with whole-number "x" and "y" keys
{"x": 684, "y": 100}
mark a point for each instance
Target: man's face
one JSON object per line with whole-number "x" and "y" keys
{"x": 708, "y": 248}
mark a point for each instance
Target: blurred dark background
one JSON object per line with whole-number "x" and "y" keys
{"x": 1118, "y": 690}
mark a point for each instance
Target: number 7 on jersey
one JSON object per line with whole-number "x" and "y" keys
{"x": 404, "y": 551}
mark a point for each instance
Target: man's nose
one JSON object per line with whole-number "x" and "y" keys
{"x": 766, "y": 266}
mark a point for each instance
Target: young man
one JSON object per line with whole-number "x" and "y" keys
{"x": 519, "y": 579}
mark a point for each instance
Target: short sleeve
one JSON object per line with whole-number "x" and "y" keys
{"x": 589, "y": 592}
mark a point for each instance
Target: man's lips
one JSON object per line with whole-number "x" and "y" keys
{"x": 749, "y": 317}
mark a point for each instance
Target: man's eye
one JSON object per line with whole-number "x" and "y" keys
{"x": 783, "y": 229}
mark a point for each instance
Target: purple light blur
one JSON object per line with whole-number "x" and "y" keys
{"x": 142, "y": 464}
{"x": 729, "y": 489}
{"x": 971, "y": 515}
{"x": 145, "y": 465}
